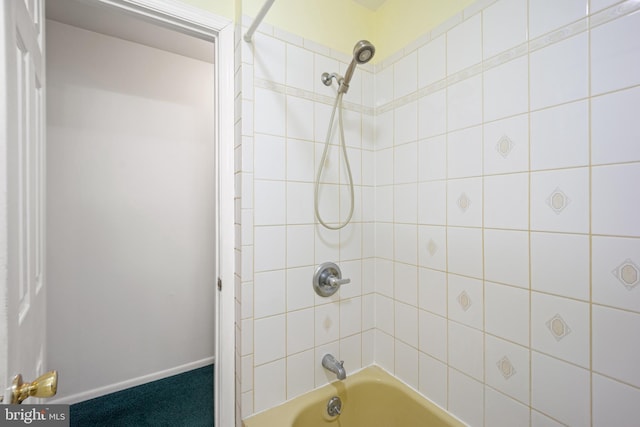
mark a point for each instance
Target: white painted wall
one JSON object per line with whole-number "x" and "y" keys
{"x": 131, "y": 209}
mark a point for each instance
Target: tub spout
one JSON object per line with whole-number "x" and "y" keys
{"x": 332, "y": 364}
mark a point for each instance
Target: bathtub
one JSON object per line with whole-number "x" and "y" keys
{"x": 370, "y": 398}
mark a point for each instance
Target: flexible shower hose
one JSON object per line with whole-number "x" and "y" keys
{"x": 336, "y": 106}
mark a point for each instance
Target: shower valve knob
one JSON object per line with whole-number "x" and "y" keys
{"x": 328, "y": 279}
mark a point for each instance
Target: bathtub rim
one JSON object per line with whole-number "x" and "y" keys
{"x": 286, "y": 413}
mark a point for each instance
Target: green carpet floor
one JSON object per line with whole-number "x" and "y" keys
{"x": 184, "y": 400}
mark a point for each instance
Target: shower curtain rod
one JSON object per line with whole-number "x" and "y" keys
{"x": 263, "y": 11}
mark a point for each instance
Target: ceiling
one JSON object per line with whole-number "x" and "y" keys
{"x": 115, "y": 23}
{"x": 370, "y": 4}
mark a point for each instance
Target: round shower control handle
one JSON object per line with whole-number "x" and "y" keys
{"x": 328, "y": 279}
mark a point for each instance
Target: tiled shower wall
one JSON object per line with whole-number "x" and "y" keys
{"x": 496, "y": 203}
{"x": 507, "y": 232}
{"x": 285, "y": 328}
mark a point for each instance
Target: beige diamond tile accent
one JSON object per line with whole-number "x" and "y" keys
{"x": 504, "y": 146}
{"x": 628, "y": 273}
{"x": 557, "y": 201}
{"x": 464, "y": 300}
{"x": 506, "y": 368}
{"x": 432, "y": 247}
{"x": 464, "y": 202}
{"x": 558, "y": 327}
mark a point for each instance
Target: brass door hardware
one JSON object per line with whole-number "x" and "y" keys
{"x": 46, "y": 385}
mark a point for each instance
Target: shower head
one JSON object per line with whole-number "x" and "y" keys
{"x": 363, "y": 51}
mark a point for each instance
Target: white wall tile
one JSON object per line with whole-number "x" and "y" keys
{"x": 507, "y": 312}
{"x": 614, "y": 127}
{"x": 464, "y": 153}
{"x": 405, "y": 243}
{"x": 432, "y": 114}
{"x": 432, "y": 247}
{"x": 560, "y": 136}
{"x": 384, "y": 166}
{"x": 432, "y": 61}
{"x": 327, "y": 323}
{"x": 300, "y": 373}
{"x": 352, "y": 270}
{"x": 614, "y": 403}
{"x": 614, "y": 54}
{"x": 560, "y": 264}
{"x": 405, "y": 283}
{"x": 466, "y": 397}
{"x": 384, "y": 88}
{"x": 464, "y": 103}
{"x": 616, "y": 342}
{"x": 506, "y": 201}
{"x": 432, "y": 158}
{"x": 506, "y": 257}
{"x": 384, "y": 240}
{"x": 616, "y": 272}
{"x": 560, "y": 200}
{"x": 464, "y": 202}
{"x": 433, "y": 335}
{"x": 300, "y": 245}
{"x": 269, "y": 199}
{"x": 384, "y": 206}
{"x": 464, "y": 251}
{"x": 548, "y": 15}
{"x": 432, "y": 202}
{"x": 501, "y": 411}
{"x": 300, "y": 114}
{"x": 465, "y": 300}
{"x": 541, "y": 420}
{"x": 466, "y": 350}
{"x": 300, "y": 164}
{"x": 464, "y": 45}
{"x": 507, "y": 368}
{"x": 269, "y": 293}
{"x": 405, "y": 75}
{"x": 559, "y": 72}
{"x": 560, "y": 390}
{"x": 269, "y": 157}
{"x": 300, "y": 292}
{"x": 384, "y": 130}
{"x": 385, "y": 319}
{"x": 406, "y": 321}
{"x": 269, "y": 340}
{"x": 405, "y": 158}
{"x": 405, "y": 206}
{"x": 385, "y": 351}
{"x": 269, "y": 248}
{"x": 596, "y": 5}
{"x": 407, "y": 365}
{"x": 506, "y": 89}
{"x": 299, "y": 202}
{"x": 351, "y": 352}
{"x": 614, "y": 209}
{"x": 432, "y": 291}
{"x": 433, "y": 380}
{"x": 269, "y": 385}
{"x": 504, "y": 25}
{"x": 506, "y": 145}
{"x": 269, "y": 58}
{"x": 300, "y": 68}
{"x": 560, "y": 327}
{"x": 270, "y": 116}
{"x": 350, "y": 316}
{"x": 300, "y": 325}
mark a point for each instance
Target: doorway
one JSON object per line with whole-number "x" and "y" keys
{"x": 135, "y": 221}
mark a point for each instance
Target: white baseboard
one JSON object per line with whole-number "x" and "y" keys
{"x": 112, "y": 388}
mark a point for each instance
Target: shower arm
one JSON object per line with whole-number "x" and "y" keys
{"x": 261, "y": 14}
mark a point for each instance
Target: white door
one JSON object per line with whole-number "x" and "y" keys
{"x": 22, "y": 190}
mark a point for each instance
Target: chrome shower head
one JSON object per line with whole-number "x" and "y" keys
{"x": 363, "y": 51}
